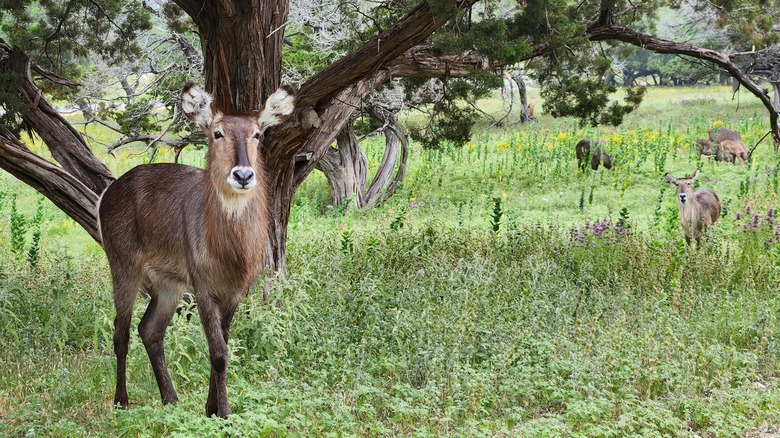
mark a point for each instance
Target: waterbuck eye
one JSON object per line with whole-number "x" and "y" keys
{"x": 218, "y": 134}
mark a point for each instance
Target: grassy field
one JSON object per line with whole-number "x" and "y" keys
{"x": 494, "y": 294}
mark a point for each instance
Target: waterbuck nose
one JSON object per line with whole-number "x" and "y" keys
{"x": 683, "y": 197}
{"x": 243, "y": 176}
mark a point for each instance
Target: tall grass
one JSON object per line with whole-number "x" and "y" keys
{"x": 499, "y": 292}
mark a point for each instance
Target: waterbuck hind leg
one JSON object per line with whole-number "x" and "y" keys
{"x": 125, "y": 292}
{"x": 152, "y": 328}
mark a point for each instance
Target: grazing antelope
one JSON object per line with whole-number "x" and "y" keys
{"x": 596, "y": 157}
{"x": 725, "y": 145}
{"x": 698, "y": 210}
{"x": 705, "y": 146}
{"x": 176, "y": 228}
{"x": 719, "y": 135}
{"x": 731, "y": 151}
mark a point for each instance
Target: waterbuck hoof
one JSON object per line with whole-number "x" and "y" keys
{"x": 221, "y": 413}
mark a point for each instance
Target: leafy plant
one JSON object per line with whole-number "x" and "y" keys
{"x": 18, "y": 229}
{"x": 496, "y": 214}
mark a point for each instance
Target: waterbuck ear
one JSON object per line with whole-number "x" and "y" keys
{"x": 196, "y": 105}
{"x": 695, "y": 174}
{"x": 670, "y": 179}
{"x": 277, "y": 106}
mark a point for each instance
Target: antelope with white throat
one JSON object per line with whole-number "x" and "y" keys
{"x": 698, "y": 209}
{"x": 180, "y": 228}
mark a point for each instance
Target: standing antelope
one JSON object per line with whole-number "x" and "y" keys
{"x": 180, "y": 228}
{"x": 698, "y": 210}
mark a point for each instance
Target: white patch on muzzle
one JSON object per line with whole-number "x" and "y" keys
{"x": 241, "y": 186}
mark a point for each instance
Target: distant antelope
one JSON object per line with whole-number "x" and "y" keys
{"x": 731, "y": 152}
{"x": 596, "y": 156}
{"x": 718, "y": 135}
{"x": 698, "y": 210}
{"x": 724, "y": 145}
{"x": 178, "y": 228}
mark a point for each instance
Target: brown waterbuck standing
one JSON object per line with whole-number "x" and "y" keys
{"x": 176, "y": 228}
{"x": 698, "y": 210}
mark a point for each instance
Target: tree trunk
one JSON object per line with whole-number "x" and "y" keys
{"x": 66, "y": 145}
{"x": 242, "y": 49}
{"x": 523, "y": 92}
{"x": 396, "y": 140}
{"x": 66, "y": 192}
{"x": 346, "y": 166}
{"x": 129, "y": 90}
{"x": 346, "y": 169}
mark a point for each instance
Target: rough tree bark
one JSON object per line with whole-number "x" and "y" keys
{"x": 74, "y": 186}
{"x": 396, "y": 154}
{"x": 523, "y": 92}
{"x": 66, "y": 145}
{"x": 346, "y": 166}
{"x": 346, "y": 169}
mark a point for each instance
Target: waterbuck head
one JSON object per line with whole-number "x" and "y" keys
{"x": 233, "y": 161}
{"x": 684, "y": 186}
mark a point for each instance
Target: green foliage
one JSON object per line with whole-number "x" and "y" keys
{"x": 496, "y": 214}
{"x": 66, "y": 32}
{"x": 589, "y": 100}
{"x": 18, "y": 229}
{"x": 33, "y": 253}
{"x": 135, "y": 118}
{"x": 398, "y": 220}
{"x": 449, "y": 124}
{"x": 623, "y": 222}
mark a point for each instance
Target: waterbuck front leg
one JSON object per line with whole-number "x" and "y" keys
{"x": 212, "y": 404}
{"x": 162, "y": 306}
{"x": 210, "y": 317}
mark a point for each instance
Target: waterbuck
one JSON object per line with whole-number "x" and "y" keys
{"x": 597, "y": 156}
{"x": 725, "y": 145}
{"x": 176, "y": 228}
{"x": 730, "y": 151}
{"x": 698, "y": 209}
